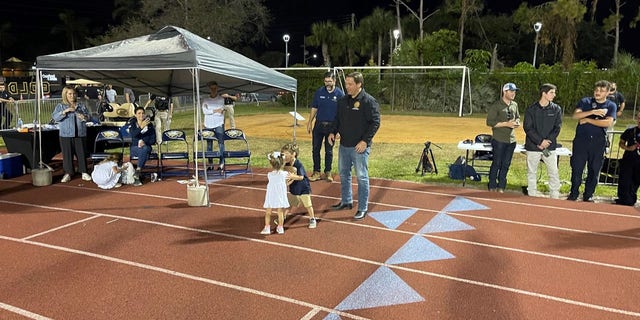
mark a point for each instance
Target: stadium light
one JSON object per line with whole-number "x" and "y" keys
{"x": 286, "y": 39}
{"x": 536, "y": 27}
{"x": 396, "y": 35}
{"x": 313, "y": 56}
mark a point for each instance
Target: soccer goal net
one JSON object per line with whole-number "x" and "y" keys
{"x": 424, "y": 89}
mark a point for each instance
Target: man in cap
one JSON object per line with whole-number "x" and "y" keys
{"x": 502, "y": 117}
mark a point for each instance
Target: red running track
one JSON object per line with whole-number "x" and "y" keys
{"x": 73, "y": 251}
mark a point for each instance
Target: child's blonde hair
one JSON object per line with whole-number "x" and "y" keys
{"x": 112, "y": 157}
{"x": 291, "y": 147}
{"x": 276, "y": 159}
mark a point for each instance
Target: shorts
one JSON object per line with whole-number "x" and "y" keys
{"x": 296, "y": 201}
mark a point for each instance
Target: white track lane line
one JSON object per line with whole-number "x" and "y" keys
{"x": 184, "y": 276}
{"x": 22, "y": 312}
{"x": 341, "y": 256}
{"x": 437, "y": 211}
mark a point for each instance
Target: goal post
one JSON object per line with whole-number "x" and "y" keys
{"x": 418, "y": 87}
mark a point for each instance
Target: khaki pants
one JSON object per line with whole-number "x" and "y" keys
{"x": 296, "y": 201}
{"x": 162, "y": 123}
{"x": 533, "y": 160}
{"x": 228, "y": 108}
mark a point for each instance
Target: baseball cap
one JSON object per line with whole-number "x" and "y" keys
{"x": 509, "y": 87}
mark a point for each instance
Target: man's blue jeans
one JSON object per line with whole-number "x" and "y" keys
{"x": 142, "y": 154}
{"x": 219, "y": 132}
{"x": 349, "y": 158}
{"x": 502, "y": 154}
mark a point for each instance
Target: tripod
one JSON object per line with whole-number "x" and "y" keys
{"x": 427, "y": 161}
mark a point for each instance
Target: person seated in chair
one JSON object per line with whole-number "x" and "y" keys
{"x": 143, "y": 137}
{"x": 213, "y": 110}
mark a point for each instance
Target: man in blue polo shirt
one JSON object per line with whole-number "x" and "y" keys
{"x": 594, "y": 114}
{"x": 323, "y": 110}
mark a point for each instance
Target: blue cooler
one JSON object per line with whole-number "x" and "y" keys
{"x": 10, "y": 165}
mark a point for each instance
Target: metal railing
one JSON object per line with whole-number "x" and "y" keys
{"x": 27, "y": 109}
{"x": 610, "y": 167}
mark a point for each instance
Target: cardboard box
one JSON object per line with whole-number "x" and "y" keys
{"x": 11, "y": 165}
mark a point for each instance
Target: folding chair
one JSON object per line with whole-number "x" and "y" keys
{"x": 484, "y": 158}
{"x": 106, "y": 139}
{"x": 202, "y": 137}
{"x": 176, "y": 141}
{"x": 237, "y": 155}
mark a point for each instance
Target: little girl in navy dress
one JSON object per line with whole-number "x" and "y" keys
{"x": 276, "y": 197}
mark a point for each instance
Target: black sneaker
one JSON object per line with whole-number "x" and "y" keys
{"x": 572, "y": 198}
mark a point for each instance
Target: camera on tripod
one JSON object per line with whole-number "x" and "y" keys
{"x": 427, "y": 162}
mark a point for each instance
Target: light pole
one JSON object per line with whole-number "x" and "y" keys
{"x": 313, "y": 56}
{"x": 396, "y": 36}
{"x": 286, "y": 39}
{"x": 536, "y": 27}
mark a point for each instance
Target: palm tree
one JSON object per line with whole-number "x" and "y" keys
{"x": 465, "y": 8}
{"x": 378, "y": 24}
{"x": 324, "y": 34}
{"x": 346, "y": 45}
{"x": 612, "y": 23}
{"x": 125, "y": 9}
{"x": 74, "y": 28}
{"x": 567, "y": 13}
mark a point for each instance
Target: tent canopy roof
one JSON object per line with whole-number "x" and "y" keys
{"x": 164, "y": 62}
{"x": 83, "y": 82}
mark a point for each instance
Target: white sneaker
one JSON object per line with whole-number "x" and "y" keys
{"x": 118, "y": 185}
{"x": 266, "y": 230}
{"x": 86, "y": 177}
{"x": 154, "y": 177}
{"x": 66, "y": 178}
{"x": 280, "y": 229}
{"x": 312, "y": 223}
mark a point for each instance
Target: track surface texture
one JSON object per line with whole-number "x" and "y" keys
{"x": 74, "y": 251}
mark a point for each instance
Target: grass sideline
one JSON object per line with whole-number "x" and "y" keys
{"x": 398, "y": 161}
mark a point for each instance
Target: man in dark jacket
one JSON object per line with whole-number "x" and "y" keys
{"x": 357, "y": 121}
{"x": 542, "y": 124}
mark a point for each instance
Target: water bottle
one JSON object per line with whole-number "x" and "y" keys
{"x": 19, "y": 124}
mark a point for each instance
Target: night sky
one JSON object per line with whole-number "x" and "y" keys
{"x": 32, "y": 21}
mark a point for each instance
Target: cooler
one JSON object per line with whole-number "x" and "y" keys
{"x": 10, "y": 165}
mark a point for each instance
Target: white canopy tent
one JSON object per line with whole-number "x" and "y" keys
{"x": 170, "y": 62}
{"x": 84, "y": 82}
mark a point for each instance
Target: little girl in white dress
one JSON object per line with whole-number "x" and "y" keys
{"x": 276, "y": 197}
{"x": 108, "y": 175}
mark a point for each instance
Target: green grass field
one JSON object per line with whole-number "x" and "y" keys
{"x": 398, "y": 161}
